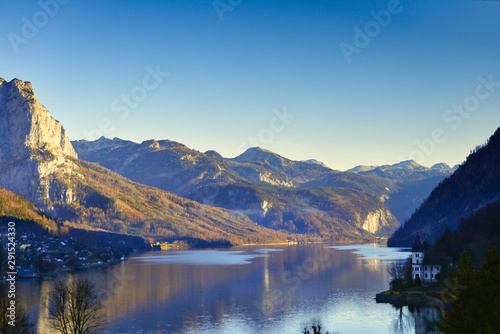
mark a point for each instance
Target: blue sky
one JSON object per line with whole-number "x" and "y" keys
{"x": 424, "y": 82}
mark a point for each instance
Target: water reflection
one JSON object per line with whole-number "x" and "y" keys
{"x": 241, "y": 290}
{"x": 416, "y": 319}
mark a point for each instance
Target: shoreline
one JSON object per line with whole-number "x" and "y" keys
{"x": 410, "y": 298}
{"x": 72, "y": 270}
{"x": 115, "y": 262}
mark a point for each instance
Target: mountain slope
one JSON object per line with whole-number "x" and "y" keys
{"x": 475, "y": 184}
{"x": 38, "y": 162}
{"x": 326, "y": 211}
{"x": 112, "y": 202}
{"x": 15, "y": 207}
{"x": 258, "y": 164}
{"x": 410, "y": 184}
{"x": 258, "y": 183}
{"x": 475, "y": 233}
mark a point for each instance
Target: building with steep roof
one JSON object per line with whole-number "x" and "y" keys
{"x": 425, "y": 266}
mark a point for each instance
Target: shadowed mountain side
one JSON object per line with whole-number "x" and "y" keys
{"x": 475, "y": 184}
{"x": 475, "y": 233}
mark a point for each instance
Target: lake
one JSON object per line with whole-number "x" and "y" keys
{"x": 254, "y": 289}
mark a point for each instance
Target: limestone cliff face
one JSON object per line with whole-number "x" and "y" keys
{"x": 379, "y": 221}
{"x": 33, "y": 146}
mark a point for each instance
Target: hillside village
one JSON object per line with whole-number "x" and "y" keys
{"x": 40, "y": 255}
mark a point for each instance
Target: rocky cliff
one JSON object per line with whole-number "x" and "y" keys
{"x": 33, "y": 146}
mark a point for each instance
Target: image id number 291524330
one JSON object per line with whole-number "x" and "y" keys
{"x": 11, "y": 273}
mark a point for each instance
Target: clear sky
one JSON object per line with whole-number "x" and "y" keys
{"x": 344, "y": 82}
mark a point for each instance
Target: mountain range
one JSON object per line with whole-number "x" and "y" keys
{"x": 161, "y": 188}
{"x": 271, "y": 189}
{"x": 263, "y": 185}
{"x": 38, "y": 162}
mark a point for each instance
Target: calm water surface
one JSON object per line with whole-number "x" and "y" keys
{"x": 246, "y": 290}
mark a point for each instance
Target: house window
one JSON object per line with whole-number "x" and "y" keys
{"x": 417, "y": 255}
{"x": 426, "y": 275}
{"x": 417, "y": 261}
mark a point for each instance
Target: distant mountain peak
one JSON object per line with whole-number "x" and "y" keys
{"x": 214, "y": 154}
{"x": 152, "y": 143}
{"x": 407, "y": 164}
{"x": 260, "y": 155}
{"x": 315, "y": 162}
{"x": 440, "y": 166}
{"x": 404, "y": 165}
{"x": 84, "y": 146}
{"x": 258, "y": 149}
{"x": 361, "y": 168}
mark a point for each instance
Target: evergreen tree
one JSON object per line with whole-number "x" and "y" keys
{"x": 445, "y": 271}
{"x": 473, "y": 297}
{"x": 488, "y": 293}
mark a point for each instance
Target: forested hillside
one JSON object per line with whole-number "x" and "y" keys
{"x": 475, "y": 184}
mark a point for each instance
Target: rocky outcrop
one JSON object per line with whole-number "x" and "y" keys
{"x": 33, "y": 146}
{"x": 379, "y": 221}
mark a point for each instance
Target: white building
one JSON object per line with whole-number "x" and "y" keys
{"x": 426, "y": 268}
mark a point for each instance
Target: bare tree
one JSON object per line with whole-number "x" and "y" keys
{"x": 316, "y": 327}
{"x": 397, "y": 271}
{"x": 75, "y": 307}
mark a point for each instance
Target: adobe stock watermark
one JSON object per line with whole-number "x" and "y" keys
{"x": 127, "y": 101}
{"x": 455, "y": 117}
{"x": 222, "y": 7}
{"x": 31, "y": 26}
{"x": 372, "y": 29}
{"x": 11, "y": 275}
